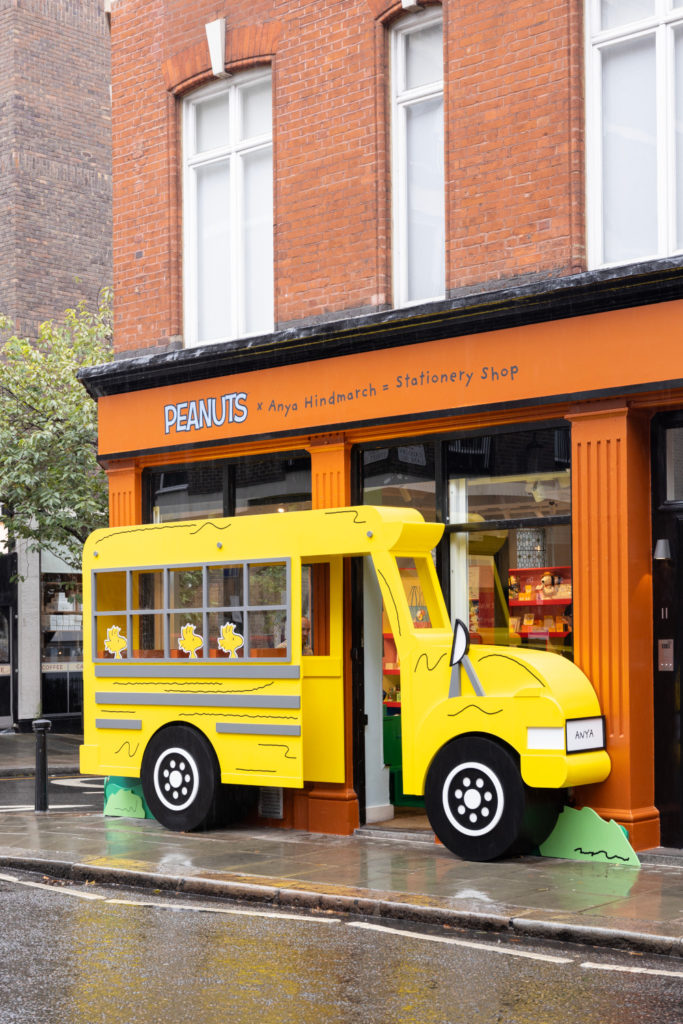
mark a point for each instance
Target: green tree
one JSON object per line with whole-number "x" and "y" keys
{"x": 52, "y": 490}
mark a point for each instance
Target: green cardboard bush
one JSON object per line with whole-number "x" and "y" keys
{"x": 584, "y": 835}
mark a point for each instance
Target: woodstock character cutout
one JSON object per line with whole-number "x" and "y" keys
{"x": 229, "y": 641}
{"x": 189, "y": 641}
{"x": 115, "y": 642}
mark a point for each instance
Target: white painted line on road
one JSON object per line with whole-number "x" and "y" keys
{"x": 482, "y": 946}
{"x": 229, "y": 911}
{"x": 79, "y": 783}
{"x": 197, "y": 909}
{"x": 632, "y": 970}
{"x": 6, "y": 808}
{"x": 62, "y": 891}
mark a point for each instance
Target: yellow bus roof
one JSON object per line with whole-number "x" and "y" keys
{"x": 320, "y": 533}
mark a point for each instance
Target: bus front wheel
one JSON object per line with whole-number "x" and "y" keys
{"x": 179, "y": 778}
{"x": 478, "y": 805}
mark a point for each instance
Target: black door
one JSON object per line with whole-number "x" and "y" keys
{"x": 667, "y": 583}
{"x": 8, "y": 638}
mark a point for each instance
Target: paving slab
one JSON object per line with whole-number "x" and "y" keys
{"x": 613, "y": 905}
{"x": 392, "y": 872}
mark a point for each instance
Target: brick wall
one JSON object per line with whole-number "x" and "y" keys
{"x": 55, "y": 157}
{"x": 514, "y": 182}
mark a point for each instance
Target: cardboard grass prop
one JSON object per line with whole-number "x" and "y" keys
{"x": 490, "y": 735}
{"x": 584, "y": 835}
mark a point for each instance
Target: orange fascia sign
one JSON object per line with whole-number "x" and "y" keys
{"x": 620, "y": 349}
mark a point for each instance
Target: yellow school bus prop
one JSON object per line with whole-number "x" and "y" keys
{"x": 214, "y": 662}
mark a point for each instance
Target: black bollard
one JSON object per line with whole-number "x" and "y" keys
{"x": 41, "y": 727}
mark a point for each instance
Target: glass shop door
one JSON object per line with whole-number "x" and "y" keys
{"x": 5, "y": 667}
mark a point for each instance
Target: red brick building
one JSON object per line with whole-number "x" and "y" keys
{"x": 55, "y": 250}
{"x": 425, "y": 254}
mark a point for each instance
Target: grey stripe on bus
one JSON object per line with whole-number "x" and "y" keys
{"x": 186, "y": 671}
{"x": 118, "y": 723}
{"x": 198, "y": 700}
{"x": 259, "y": 730}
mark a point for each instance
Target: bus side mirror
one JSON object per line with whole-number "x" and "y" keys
{"x": 461, "y": 645}
{"x": 461, "y": 642}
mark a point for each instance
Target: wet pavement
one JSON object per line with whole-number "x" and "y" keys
{"x": 371, "y": 873}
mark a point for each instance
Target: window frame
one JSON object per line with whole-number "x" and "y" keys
{"x": 662, "y": 26}
{"x": 234, "y": 153}
{"x": 400, "y": 100}
{"x": 167, "y": 609}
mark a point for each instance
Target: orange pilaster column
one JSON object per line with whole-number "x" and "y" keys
{"x": 125, "y": 495}
{"x": 611, "y": 536}
{"x": 330, "y": 473}
{"x": 334, "y": 808}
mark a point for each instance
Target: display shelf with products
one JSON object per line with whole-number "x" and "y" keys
{"x": 540, "y": 602}
{"x": 391, "y": 674}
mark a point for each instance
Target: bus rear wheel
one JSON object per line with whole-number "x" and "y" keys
{"x": 179, "y": 777}
{"x": 478, "y": 805}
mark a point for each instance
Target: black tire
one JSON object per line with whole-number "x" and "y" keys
{"x": 478, "y": 805}
{"x": 180, "y": 778}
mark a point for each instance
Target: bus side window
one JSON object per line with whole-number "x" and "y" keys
{"x": 315, "y": 608}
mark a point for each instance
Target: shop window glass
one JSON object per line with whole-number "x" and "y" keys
{"x": 267, "y": 583}
{"x": 272, "y": 484}
{"x": 4, "y": 638}
{"x": 186, "y": 635}
{"x": 148, "y": 591}
{"x": 232, "y": 611}
{"x": 61, "y": 627}
{"x": 514, "y": 587}
{"x": 511, "y": 577}
{"x": 61, "y": 617}
{"x": 193, "y": 492}
{"x": 226, "y": 634}
{"x": 225, "y": 586}
{"x": 247, "y": 486}
{"x": 148, "y": 636}
{"x": 186, "y": 588}
{"x": 674, "y": 464}
{"x": 315, "y": 609}
{"x": 509, "y": 476}
{"x": 418, "y": 583}
{"x": 402, "y": 476}
{"x": 268, "y": 634}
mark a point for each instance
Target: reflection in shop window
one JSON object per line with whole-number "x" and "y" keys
{"x": 674, "y": 464}
{"x": 402, "y": 476}
{"x": 215, "y": 488}
{"x": 511, "y": 567}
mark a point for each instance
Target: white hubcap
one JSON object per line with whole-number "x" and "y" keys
{"x": 473, "y": 798}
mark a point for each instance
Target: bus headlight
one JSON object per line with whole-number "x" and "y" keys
{"x": 545, "y": 738}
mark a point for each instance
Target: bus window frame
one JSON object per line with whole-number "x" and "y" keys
{"x": 245, "y": 609}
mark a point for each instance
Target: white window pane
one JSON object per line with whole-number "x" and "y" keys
{"x": 629, "y": 150}
{"x": 258, "y": 241}
{"x": 424, "y": 56}
{"x": 621, "y": 12}
{"x": 425, "y": 199}
{"x": 213, "y": 251}
{"x": 256, "y": 110}
{"x": 678, "y": 113}
{"x": 212, "y": 123}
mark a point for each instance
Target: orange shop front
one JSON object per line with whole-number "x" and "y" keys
{"x": 530, "y": 442}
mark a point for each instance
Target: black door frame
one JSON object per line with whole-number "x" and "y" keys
{"x": 667, "y": 619}
{"x": 8, "y": 599}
